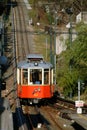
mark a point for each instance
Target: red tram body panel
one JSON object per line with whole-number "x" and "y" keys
{"x": 34, "y": 79}
{"x": 35, "y": 91}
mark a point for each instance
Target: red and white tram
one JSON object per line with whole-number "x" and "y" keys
{"x": 34, "y": 79}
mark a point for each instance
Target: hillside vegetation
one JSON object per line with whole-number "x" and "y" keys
{"x": 72, "y": 63}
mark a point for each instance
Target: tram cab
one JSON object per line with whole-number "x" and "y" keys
{"x": 34, "y": 78}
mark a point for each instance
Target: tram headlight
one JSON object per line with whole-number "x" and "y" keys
{"x": 35, "y": 64}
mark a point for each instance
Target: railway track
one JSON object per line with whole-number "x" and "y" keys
{"x": 39, "y": 120}
{"x": 22, "y": 40}
{"x": 44, "y": 118}
{"x": 10, "y": 92}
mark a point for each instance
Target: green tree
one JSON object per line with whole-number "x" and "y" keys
{"x": 72, "y": 63}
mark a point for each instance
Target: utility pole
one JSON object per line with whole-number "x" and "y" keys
{"x": 69, "y": 11}
{"x": 46, "y": 47}
{"x": 78, "y": 90}
{"x": 56, "y": 18}
{"x": 0, "y": 56}
{"x": 50, "y": 32}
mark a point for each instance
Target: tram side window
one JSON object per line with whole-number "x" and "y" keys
{"x": 51, "y": 76}
{"x": 46, "y": 76}
{"x": 19, "y": 76}
{"x": 25, "y": 76}
{"x": 36, "y": 76}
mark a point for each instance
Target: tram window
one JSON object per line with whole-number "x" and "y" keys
{"x": 25, "y": 76}
{"x": 46, "y": 76}
{"x": 19, "y": 76}
{"x": 51, "y": 76}
{"x": 36, "y": 76}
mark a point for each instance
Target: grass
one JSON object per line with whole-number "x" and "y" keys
{"x": 42, "y": 45}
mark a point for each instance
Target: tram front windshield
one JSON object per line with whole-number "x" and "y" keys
{"x": 36, "y": 76}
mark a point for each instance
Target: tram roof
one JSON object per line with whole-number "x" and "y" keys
{"x": 26, "y": 65}
{"x": 34, "y": 57}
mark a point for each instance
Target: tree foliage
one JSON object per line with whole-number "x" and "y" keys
{"x": 72, "y": 63}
